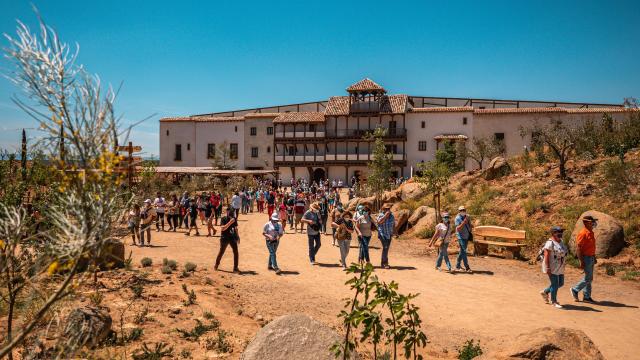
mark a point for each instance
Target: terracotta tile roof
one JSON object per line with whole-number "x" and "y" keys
{"x": 552, "y": 110}
{"x": 261, "y": 115}
{"x": 203, "y": 119}
{"x": 300, "y": 117}
{"x": 451, "y": 137}
{"x": 391, "y": 104}
{"x": 443, "y": 109}
{"x": 364, "y": 85}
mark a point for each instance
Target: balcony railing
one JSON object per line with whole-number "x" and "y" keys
{"x": 365, "y": 107}
{"x": 360, "y": 133}
{"x": 331, "y": 157}
{"x": 299, "y": 134}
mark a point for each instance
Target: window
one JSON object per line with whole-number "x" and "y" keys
{"x": 482, "y": 107}
{"x": 312, "y": 127}
{"x": 211, "y": 151}
{"x": 422, "y": 146}
{"x": 391, "y": 148}
{"x": 292, "y": 150}
{"x": 464, "y": 121}
{"x": 189, "y": 147}
{"x": 233, "y": 151}
{"x": 236, "y": 130}
{"x": 253, "y": 131}
{"x": 177, "y": 156}
{"x": 498, "y": 136}
{"x": 167, "y": 132}
{"x": 498, "y": 139}
{"x": 268, "y": 149}
{"x": 254, "y": 152}
{"x": 422, "y": 125}
{"x": 270, "y": 130}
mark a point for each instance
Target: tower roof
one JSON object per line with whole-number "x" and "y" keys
{"x": 364, "y": 85}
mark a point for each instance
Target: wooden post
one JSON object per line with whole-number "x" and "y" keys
{"x": 130, "y": 165}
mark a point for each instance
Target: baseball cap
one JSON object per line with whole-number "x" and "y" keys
{"x": 555, "y": 229}
{"x": 275, "y": 216}
{"x": 148, "y": 201}
{"x": 461, "y": 208}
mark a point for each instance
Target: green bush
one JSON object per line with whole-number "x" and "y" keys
{"x": 146, "y": 262}
{"x": 166, "y": 270}
{"x": 469, "y": 350}
{"x": 190, "y": 267}
{"x": 172, "y": 264}
{"x": 531, "y": 206}
{"x": 616, "y": 178}
{"x": 425, "y": 233}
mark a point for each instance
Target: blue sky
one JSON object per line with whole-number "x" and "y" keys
{"x": 187, "y": 57}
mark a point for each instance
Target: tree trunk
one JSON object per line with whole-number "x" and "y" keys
{"x": 563, "y": 171}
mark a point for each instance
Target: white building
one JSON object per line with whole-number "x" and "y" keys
{"x": 325, "y": 138}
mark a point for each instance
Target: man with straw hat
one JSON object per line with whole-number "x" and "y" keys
{"x": 312, "y": 219}
{"x": 586, "y": 253}
{"x": 272, "y": 232}
{"x": 385, "y": 223}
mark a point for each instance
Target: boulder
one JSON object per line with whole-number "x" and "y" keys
{"x": 549, "y": 343}
{"x": 368, "y": 201}
{"x": 88, "y": 326}
{"x": 294, "y": 336}
{"x": 401, "y": 216}
{"x": 391, "y": 196}
{"x": 609, "y": 234}
{"x": 428, "y": 221}
{"x": 498, "y": 167}
{"x": 410, "y": 191}
{"x": 418, "y": 214}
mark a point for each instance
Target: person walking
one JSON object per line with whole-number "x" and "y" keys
{"x": 147, "y": 217}
{"x": 312, "y": 219}
{"x": 216, "y": 202}
{"x": 463, "y": 234}
{"x": 344, "y": 227}
{"x": 193, "y": 217}
{"x": 228, "y": 237}
{"x": 335, "y": 215}
{"x": 324, "y": 213}
{"x": 586, "y": 253}
{"x": 236, "y": 203}
{"x": 133, "y": 221}
{"x": 172, "y": 212}
{"x": 282, "y": 213}
{"x": 209, "y": 215}
{"x": 272, "y": 232}
{"x": 385, "y": 223}
{"x": 160, "y": 204}
{"x": 271, "y": 202}
{"x": 363, "y": 226}
{"x": 441, "y": 239}
{"x": 298, "y": 209}
{"x": 553, "y": 265}
{"x": 290, "y": 202}
{"x": 184, "y": 210}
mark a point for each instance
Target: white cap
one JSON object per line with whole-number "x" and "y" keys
{"x": 275, "y": 216}
{"x": 461, "y": 208}
{"x": 148, "y": 201}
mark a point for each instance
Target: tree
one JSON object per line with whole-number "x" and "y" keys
{"x": 558, "y": 137}
{"x": 85, "y": 200}
{"x": 481, "y": 148}
{"x": 380, "y": 166}
{"x": 222, "y": 159}
{"x": 434, "y": 177}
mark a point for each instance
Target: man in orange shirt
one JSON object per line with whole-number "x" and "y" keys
{"x": 586, "y": 253}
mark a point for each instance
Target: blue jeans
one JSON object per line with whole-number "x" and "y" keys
{"x": 363, "y": 241}
{"x": 386, "y": 244}
{"x": 557, "y": 281}
{"x": 443, "y": 254}
{"x": 462, "y": 255}
{"x": 272, "y": 246}
{"x": 314, "y": 246}
{"x": 585, "y": 283}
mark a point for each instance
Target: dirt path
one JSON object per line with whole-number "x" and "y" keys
{"x": 500, "y": 300}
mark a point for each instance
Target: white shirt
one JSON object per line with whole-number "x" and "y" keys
{"x": 159, "y": 204}
{"x": 557, "y": 254}
{"x": 274, "y": 230}
{"x": 444, "y": 233}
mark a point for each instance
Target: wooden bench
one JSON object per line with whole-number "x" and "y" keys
{"x": 512, "y": 240}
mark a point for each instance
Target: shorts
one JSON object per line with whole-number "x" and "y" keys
{"x": 298, "y": 217}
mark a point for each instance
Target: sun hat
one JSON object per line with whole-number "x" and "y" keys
{"x": 445, "y": 215}
{"x": 315, "y": 206}
{"x": 275, "y": 216}
{"x": 555, "y": 229}
{"x": 461, "y": 208}
{"x": 148, "y": 201}
{"x": 387, "y": 206}
{"x": 589, "y": 218}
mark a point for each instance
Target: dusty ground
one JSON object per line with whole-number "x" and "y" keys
{"x": 498, "y": 301}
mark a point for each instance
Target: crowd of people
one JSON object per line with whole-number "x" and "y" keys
{"x": 315, "y": 208}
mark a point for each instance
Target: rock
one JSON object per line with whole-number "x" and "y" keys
{"x": 609, "y": 234}
{"x": 428, "y": 221}
{"x": 410, "y": 191}
{"x": 112, "y": 257}
{"x": 418, "y": 214}
{"x": 498, "y": 167}
{"x": 391, "y": 196}
{"x": 258, "y": 317}
{"x": 368, "y": 201}
{"x": 549, "y": 343}
{"x": 176, "y": 309}
{"x": 88, "y": 326}
{"x": 401, "y": 217}
{"x": 294, "y": 336}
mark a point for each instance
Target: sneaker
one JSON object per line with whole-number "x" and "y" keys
{"x": 589, "y": 300}
{"x": 236, "y": 271}
{"x": 545, "y": 297}
{"x": 438, "y": 269}
{"x": 469, "y": 271}
{"x": 278, "y": 271}
{"x": 269, "y": 268}
{"x": 389, "y": 267}
{"x": 557, "y": 306}
{"x": 574, "y": 294}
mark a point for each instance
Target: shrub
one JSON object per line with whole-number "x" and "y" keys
{"x": 190, "y": 267}
{"x": 137, "y": 291}
{"x": 219, "y": 344}
{"x": 616, "y": 178}
{"x": 146, "y": 262}
{"x": 133, "y": 335}
{"x": 160, "y": 350}
{"x": 172, "y": 264}
{"x": 469, "y": 350}
{"x": 191, "y": 296}
{"x": 531, "y": 206}
{"x": 141, "y": 317}
{"x": 610, "y": 269}
{"x": 631, "y": 275}
{"x": 166, "y": 270}
{"x": 198, "y": 330}
{"x": 425, "y": 233}
{"x": 185, "y": 354}
{"x": 208, "y": 315}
